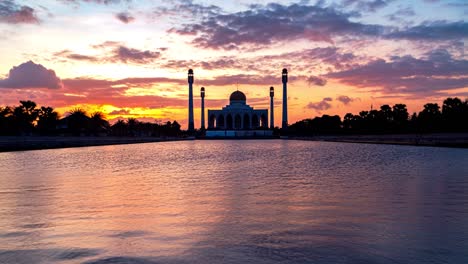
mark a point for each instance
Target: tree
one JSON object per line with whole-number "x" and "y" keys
{"x": 430, "y": 118}
{"x": 77, "y": 121}
{"x": 454, "y": 116}
{"x": 5, "y": 120}
{"x": 47, "y": 121}
{"x": 348, "y": 121}
{"x": 120, "y": 128}
{"x": 98, "y": 123}
{"x": 400, "y": 117}
{"x": 24, "y": 117}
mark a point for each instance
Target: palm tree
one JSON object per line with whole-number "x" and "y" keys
{"x": 25, "y": 116}
{"x": 5, "y": 120}
{"x": 48, "y": 120}
{"x": 98, "y": 123}
{"x": 120, "y": 128}
{"x": 77, "y": 121}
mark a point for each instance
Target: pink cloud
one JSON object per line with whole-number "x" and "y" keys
{"x": 31, "y": 75}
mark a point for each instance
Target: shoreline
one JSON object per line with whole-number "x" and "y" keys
{"x": 450, "y": 140}
{"x": 9, "y": 144}
{"x": 24, "y": 143}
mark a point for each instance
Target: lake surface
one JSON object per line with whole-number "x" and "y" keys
{"x": 251, "y": 201}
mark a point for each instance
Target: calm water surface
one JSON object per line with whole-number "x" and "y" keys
{"x": 273, "y": 201}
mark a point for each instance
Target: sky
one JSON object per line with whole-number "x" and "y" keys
{"x": 129, "y": 58}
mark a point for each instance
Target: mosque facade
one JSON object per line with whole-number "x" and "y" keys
{"x": 237, "y": 119}
{"x": 238, "y": 115}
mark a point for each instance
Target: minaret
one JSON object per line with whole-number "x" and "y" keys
{"x": 284, "y": 125}
{"x": 202, "y": 95}
{"x": 272, "y": 119}
{"x": 191, "y": 126}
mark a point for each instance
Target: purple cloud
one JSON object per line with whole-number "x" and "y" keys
{"x": 125, "y": 17}
{"x": 345, "y": 99}
{"x": 263, "y": 25}
{"x": 435, "y": 30}
{"x": 31, "y": 75}
{"x": 436, "y": 72}
{"x": 12, "y": 13}
{"x": 316, "y": 80}
{"x": 368, "y": 5}
{"x": 125, "y": 54}
{"x": 105, "y": 2}
{"x": 321, "y": 105}
{"x": 120, "y": 112}
{"x": 74, "y": 56}
{"x": 114, "y": 52}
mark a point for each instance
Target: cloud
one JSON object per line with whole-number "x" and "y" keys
{"x": 345, "y": 99}
{"x": 320, "y": 106}
{"x": 316, "y": 80}
{"x": 368, "y": 5}
{"x": 402, "y": 14}
{"x": 74, "y": 56}
{"x": 114, "y": 52}
{"x": 31, "y": 75}
{"x": 436, "y": 71}
{"x": 124, "y": 54}
{"x": 125, "y": 17}
{"x": 120, "y": 112}
{"x": 104, "y": 2}
{"x": 12, "y": 13}
{"x": 186, "y": 9}
{"x": 267, "y": 24}
{"x": 432, "y": 31}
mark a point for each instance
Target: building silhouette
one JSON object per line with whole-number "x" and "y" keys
{"x": 237, "y": 119}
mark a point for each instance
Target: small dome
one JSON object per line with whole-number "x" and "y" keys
{"x": 237, "y": 96}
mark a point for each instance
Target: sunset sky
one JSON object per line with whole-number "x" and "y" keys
{"x": 129, "y": 58}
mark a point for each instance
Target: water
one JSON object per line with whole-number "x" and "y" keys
{"x": 272, "y": 201}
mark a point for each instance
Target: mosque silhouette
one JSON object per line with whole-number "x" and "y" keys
{"x": 237, "y": 119}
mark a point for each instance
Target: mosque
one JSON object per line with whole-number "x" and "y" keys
{"x": 237, "y": 119}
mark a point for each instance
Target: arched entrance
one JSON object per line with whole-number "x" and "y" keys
{"x": 229, "y": 121}
{"x": 255, "y": 122}
{"x": 264, "y": 121}
{"x": 246, "y": 121}
{"x": 212, "y": 121}
{"x": 220, "y": 122}
{"x": 237, "y": 122}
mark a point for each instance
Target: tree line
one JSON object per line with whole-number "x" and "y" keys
{"x": 452, "y": 117}
{"x": 27, "y": 119}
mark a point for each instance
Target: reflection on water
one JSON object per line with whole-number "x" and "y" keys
{"x": 273, "y": 201}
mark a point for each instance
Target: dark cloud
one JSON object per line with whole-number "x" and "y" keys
{"x": 435, "y": 30}
{"x": 316, "y": 80}
{"x": 186, "y": 9}
{"x": 124, "y": 54}
{"x": 264, "y": 25}
{"x": 125, "y": 17}
{"x": 31, "y": 75}
{"x": 320, "y": 106}
{"x": 435, "y": 72}
{"x": 114, "y": 52}
{"x": 104, "y": 2}
{"x": 367, "y": 5}
{"x": 402, "y": 14}
{"x": 120, "y": 112}
{"x": 74, "y": 56}
{"x": 344, "y": 99}
{"x": 12, "y": 13}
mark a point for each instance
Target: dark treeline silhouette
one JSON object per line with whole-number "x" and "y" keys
{"x": 133, "y": 127}
{"x": 451, "y": 118}
{"x": 27, "y": 119}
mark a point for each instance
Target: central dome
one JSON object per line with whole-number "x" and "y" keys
{"x": 237, "y": 96}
